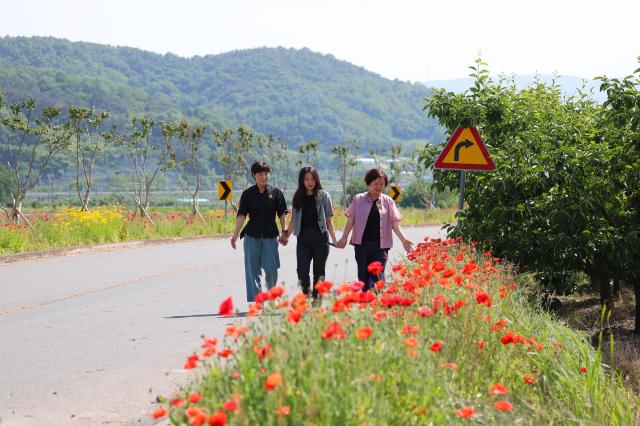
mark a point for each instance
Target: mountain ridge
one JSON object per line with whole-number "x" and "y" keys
{"x": 295, "y": 93}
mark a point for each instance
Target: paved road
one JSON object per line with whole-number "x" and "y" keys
{"x": 92, "y": 339}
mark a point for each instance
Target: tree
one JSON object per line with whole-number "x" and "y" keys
{"x": 419, "y": 193}
{"x": 233, "y": 153}
{"x": 345, "y": 155}
{"x": 282, "y": 163}
{"x": 88, "y": 142}
{"x": 551, "y": 203}
{"x": 146, "y": 156}
{"x": 620, "y": 127}
{"x": 183, "y": 142}
{"x": 29, "y": 144}
{"x": 396, "y": 165}
{"x": 5, "y": 195}
{"x": 309, "y": 153}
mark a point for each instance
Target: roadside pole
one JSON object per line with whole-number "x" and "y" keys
{"x": 463, "y": 179}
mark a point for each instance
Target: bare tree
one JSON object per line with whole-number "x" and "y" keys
{"x": 396, "y": 165}
{"x": 309, "y": 153}
{"x": 146, "y": 156}
{"x": 418, "y": 174}
{"x": 346, "y": 155}
{"x": 282, "y": 162}
{"x": 183, "y": 141}
{"x": 86, "y": 125}
{"x": 29, "y": 145}
{"x": 375, "y": 154}
{"x": 233, "y": 152}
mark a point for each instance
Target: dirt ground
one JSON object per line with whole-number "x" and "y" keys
{"x": 583, "y": 312}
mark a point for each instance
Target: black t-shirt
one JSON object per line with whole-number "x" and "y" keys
{"x": 309, "y": 212}
{"x": 262, "y": 207}
{"x": 372, "y": 228}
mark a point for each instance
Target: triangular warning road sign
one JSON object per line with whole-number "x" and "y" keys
{"x": 465, "y": 151}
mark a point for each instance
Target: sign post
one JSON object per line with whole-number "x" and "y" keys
{"x": 464, "y": 151}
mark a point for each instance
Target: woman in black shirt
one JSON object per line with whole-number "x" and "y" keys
{"x": 261, "y": 203}
{"x": 312, "y": 223}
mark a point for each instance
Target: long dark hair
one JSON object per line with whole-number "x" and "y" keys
{"x": 298, "y": 197}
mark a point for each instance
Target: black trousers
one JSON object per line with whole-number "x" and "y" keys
{"x": 367, "y": 253}
{"x": 313, "y": 245}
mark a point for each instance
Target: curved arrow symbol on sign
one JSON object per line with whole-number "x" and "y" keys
{"x": 463, "y": 144}
{"x": 227, "y": 190}
{"x": 395, "y": 192}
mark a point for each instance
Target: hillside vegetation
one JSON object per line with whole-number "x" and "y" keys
{"x": 297, "y": 94}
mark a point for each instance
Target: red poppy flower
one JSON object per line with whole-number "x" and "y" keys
{"x": 333, "y": 331}
{"x": 503, "y": 405}
{"x": 323, "y": 287}
{"x": 498, "y": 389}
{"x": 275, "y": 292}
{"x": 448, "y": 273}
{"x": 364, "y": 333}
{"x": 410, "y": 329}
{"x": 379, "y": 315}
{"x": 435, "y": 347}
{"x": 226, "y": 307}
{"x": 294, "y": 316}
{"x": 177, "y": 402}
{"x": 583, "y": 370}
{"x": 262, "y": 351}
{"x": 219, "y": 418}
{"x": 283, "y": 411}
{"x": 411, "y": 342}
{"x": 483, "y": 299}
{"x": 465, "y": 412}
{"x": 273, "y": 381}
{"x": 192, "y": 362}
{"x": 480, "y": 345}
{"x": 529, "y": 380}
{"x": 261, "y": 297}
{"x": 224, "y": 353}
{"x": 230, "y": 405}
{"x": 194, "y": 397}
{"x": 425, "y": 311}
{"x": 160, "y": 412}
{"x": 375, "y": 268}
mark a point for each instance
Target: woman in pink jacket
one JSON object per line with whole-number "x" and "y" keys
{"x": 372, "y": 215}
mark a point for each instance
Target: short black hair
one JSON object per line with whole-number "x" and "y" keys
{"x": 259, "y": 167}
{"x": 374, "y": 174}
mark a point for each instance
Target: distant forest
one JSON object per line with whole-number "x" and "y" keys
{"x": 296, "y": 94}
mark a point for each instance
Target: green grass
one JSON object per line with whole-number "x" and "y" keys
{"x": 380, "y": 381}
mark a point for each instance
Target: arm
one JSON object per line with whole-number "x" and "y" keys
{"x": 331, "y": 230}
{"x": 345, "y": 233}
{"x": 284, "y": 234}
{"x": 408, "y": 245}
{"x": 239, "y": 221}
{"x": 291, "y": 226}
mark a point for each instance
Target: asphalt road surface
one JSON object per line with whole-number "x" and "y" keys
{"x": 92, "y": 339}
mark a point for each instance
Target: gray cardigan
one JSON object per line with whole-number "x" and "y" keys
{"x": 325, "y": 210}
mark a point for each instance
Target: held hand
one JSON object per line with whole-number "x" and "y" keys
{"x": 233, "y": 241}
{"x": 283, "y": 240}
{"x": 408, "y": 245}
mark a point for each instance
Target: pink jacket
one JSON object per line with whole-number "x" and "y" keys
{"x": 359, "y": 209}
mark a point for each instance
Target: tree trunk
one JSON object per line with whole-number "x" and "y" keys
{"x": 636, "y": 290}
{"x": 602, "y": 282}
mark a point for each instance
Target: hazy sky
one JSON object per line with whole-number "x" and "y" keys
{"x": 404, "y": 39}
